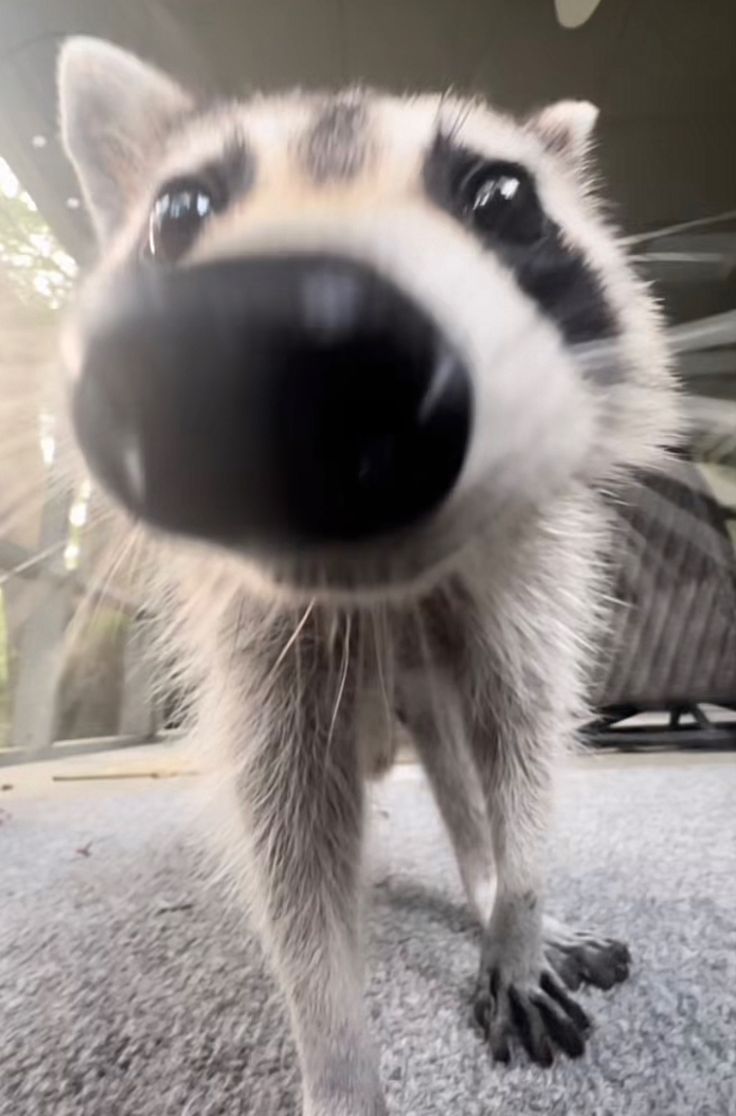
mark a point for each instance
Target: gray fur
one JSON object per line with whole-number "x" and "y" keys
{"x": 336, "y": 144}
{"x": 289, "y": 725}
{"x": 491, "y": 689}
{"x": 476, "y": 627}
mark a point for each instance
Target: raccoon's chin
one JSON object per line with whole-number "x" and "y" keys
{"x": 400, "y": 567}
{"x": 385, "y": 574}
{"x": 475, "y": 524}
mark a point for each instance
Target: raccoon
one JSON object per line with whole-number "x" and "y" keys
{"x": 364, "y": 365}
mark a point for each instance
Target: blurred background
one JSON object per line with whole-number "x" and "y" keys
{"x": 662, "y": 72}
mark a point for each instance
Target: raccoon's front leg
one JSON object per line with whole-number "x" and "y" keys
{"x": 300, "y": 798}
{"x": 519, "y": 990}
{"x": 435, "y": 716}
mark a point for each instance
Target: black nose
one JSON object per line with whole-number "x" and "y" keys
{"x": 272, "y": 400}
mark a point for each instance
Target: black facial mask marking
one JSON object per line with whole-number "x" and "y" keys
{"x": 498, "y": 202}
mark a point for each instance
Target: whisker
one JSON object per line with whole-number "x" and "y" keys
{"x": 98, "y": 590}
{"x": 670, "y": 516}
{"x": 381, "y": 653}
{"x": 295, "y": 635}
{"x": 40, "y": 556}
{"x": 341, "y": 684}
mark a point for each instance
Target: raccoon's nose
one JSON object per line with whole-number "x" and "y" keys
{"x": 273, "y": 401}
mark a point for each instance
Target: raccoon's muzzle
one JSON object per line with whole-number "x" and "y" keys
{"x": 272, "y": 401}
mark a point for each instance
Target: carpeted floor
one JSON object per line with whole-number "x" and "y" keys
{"x": 128, "y": 987}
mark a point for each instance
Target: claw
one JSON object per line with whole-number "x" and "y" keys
{"x": 556, "y": 992}
{"x": 531, "y": 1030}
{"x": 542, "y": 1017}
{"x": 575, "y": 958}
{"x": 482, "y": 1012}
{"x": 562, "y": 1029}
{"x": 500, "y": 1047}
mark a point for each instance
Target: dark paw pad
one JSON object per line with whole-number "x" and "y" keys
{"x": 580, "y": 958}
{"x": 540, "y": 1014}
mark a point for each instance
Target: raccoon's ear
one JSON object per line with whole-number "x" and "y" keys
{"x": 566, "y": 129}
{"x": 115, "y": 114}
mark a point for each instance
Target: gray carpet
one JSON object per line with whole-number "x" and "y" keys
{"x": 128, "y": 987}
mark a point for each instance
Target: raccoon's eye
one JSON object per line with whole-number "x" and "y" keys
{"x": 499, "y": 199}
{"x": 178, "y": 214}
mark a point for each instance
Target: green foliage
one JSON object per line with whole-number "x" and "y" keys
{"x": 30, "y": 256}
{"x": 37, "y": 276}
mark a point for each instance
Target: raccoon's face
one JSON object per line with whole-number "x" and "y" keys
{"x": 344, "y": 336}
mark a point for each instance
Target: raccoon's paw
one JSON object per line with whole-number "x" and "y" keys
{"x": 580, "y": 957}
{"x": 537, "y": 1011}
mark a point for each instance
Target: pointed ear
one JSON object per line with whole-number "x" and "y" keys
{"x": 116, "y": 112}
{"x": 566, "y": 129}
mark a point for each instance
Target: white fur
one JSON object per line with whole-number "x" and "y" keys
{"x": 478, "y": 623}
